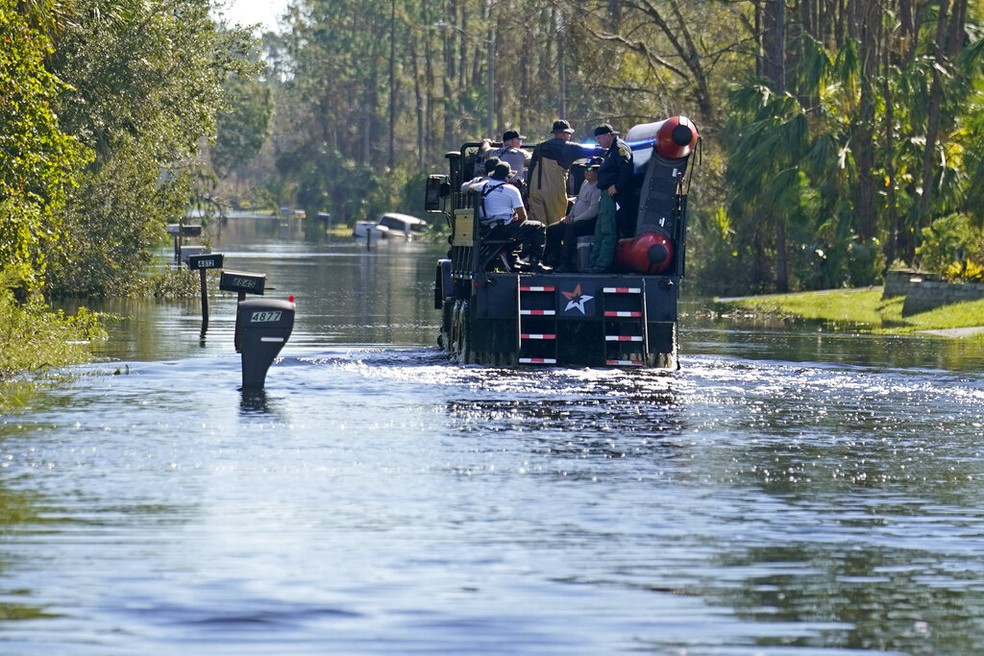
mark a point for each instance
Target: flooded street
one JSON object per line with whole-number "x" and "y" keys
{"x": 785, "y": 492}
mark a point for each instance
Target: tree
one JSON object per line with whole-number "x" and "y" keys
{"x": 241, "y": 125}
{"x": 39, "y": 162}
{"x": 146, "y": 82}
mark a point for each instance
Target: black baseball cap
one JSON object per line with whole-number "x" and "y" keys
{"x": 562, "y": 126}
{"x": 605, "y": 128}
{"x": 511, "y": 134}
{"x": 502, "y": 171}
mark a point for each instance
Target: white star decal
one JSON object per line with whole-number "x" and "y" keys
{"x": 576, "y": 299}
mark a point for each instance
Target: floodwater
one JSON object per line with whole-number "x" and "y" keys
{"x": 787, "y": 491}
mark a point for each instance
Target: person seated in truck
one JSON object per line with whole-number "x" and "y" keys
{"x": 502, "y": 216}
{"x": 482, "y": 179}
{"x": 561, "y": 246}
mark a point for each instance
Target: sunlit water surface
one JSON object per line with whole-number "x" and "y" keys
{"x": 377, "y": 499}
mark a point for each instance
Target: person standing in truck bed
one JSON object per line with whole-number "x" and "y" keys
{"x": 615, "y": 210}
{"x": 547, "y": 177}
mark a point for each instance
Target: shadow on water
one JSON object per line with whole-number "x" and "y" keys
{"x": 577, "y": 413}
{"x": 253, "y": 402}
{"x": 17, "y": 510}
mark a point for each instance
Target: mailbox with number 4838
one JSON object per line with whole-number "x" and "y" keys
{"x": 265, "y": 325}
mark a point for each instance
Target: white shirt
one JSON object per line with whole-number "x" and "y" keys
{"x": 502, "y": 199}
{"x": 474, "y": 181}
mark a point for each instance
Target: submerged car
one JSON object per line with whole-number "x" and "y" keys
{"x": 390, "y": 225}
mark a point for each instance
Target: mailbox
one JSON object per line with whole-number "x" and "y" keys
{"x": 244, "y": 283}
{"x": 202, "y": 263}
{"x": 205, "y": 261}
{"x": 265, "y": 325}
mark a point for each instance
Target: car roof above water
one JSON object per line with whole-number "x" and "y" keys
{"x": 401, "y": 221}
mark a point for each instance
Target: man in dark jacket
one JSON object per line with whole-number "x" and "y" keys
{"x": 547, "y": 173}
{"x": 616, "y": 181}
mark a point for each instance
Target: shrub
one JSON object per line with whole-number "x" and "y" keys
{"x": 951, "y": 240}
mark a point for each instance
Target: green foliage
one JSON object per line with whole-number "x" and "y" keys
{"x": 852, "y": 309}
{"x": 857, "y": 307}
{"x": 33, "y": 338}
{"x": 715, "y": 258}
{"x": 385, "y": 89}
{"x": 38, "y": 160}
{"x": 147, "y": 81}
{"x": 175, "y": 283}
{"x": 242, "y": 124}
{"x": 893, "y": 122}
{"x": 950, "y": 239}
{"x": 967, "y": 271}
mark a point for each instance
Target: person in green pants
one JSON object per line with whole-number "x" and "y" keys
{"x": 615, "y": 180}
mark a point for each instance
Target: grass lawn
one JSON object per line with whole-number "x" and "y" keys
{"x": 860, "y": 309}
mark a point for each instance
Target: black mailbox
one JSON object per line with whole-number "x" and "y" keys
{"x": 265, "y": 324}
{"x": 182, "y": 230}
{"x": 244, "y": 283}
{"x": 209, "y": 261}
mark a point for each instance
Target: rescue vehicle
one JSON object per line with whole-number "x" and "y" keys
{"x": 500, "y": 315}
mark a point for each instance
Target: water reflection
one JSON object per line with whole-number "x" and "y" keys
{"x": 808, "y": 341}
{"x": 573, "y": 414}
{"x": 254, "y": 402}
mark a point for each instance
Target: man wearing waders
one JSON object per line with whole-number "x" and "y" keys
{"x": 615, "y": 180}
{"x": 547, "y": 173}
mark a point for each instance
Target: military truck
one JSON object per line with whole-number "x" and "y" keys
{"x": 494, "y": 314}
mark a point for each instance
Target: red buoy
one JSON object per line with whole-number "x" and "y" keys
{"x": 649, "y": 253}
{"x": 676, "y": 137}
{"x": 672, "y": 138}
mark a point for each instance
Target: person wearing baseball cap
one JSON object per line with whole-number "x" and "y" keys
{"x": 548, "y": 172}
{"x": 513, "y": 153}
{"x": 615, "y": 211}
{"x": 502, "y": 215}
{"x": 562, "y": 126}
{"x": 489, "y": 166}
{"x": 561, "y": 246}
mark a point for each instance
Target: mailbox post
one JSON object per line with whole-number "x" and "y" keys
{"x": 203, "y": 263}
{"x": 241, "y": 283}
{"x": 179, "y": 231}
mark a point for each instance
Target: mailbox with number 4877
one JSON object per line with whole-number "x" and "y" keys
{"x": 265, "y": 325}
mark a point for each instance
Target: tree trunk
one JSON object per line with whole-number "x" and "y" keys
{"x": 391, "y": 128}
{"x": 933, "y": 121}
{"x": 863, "y": 137}
{"x": 774, "y": 68}
{"x": 782, "y": 255}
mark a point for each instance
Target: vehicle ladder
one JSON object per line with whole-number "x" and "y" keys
{"x": 626, "y": 337}
{"x": 537, "y": 324}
